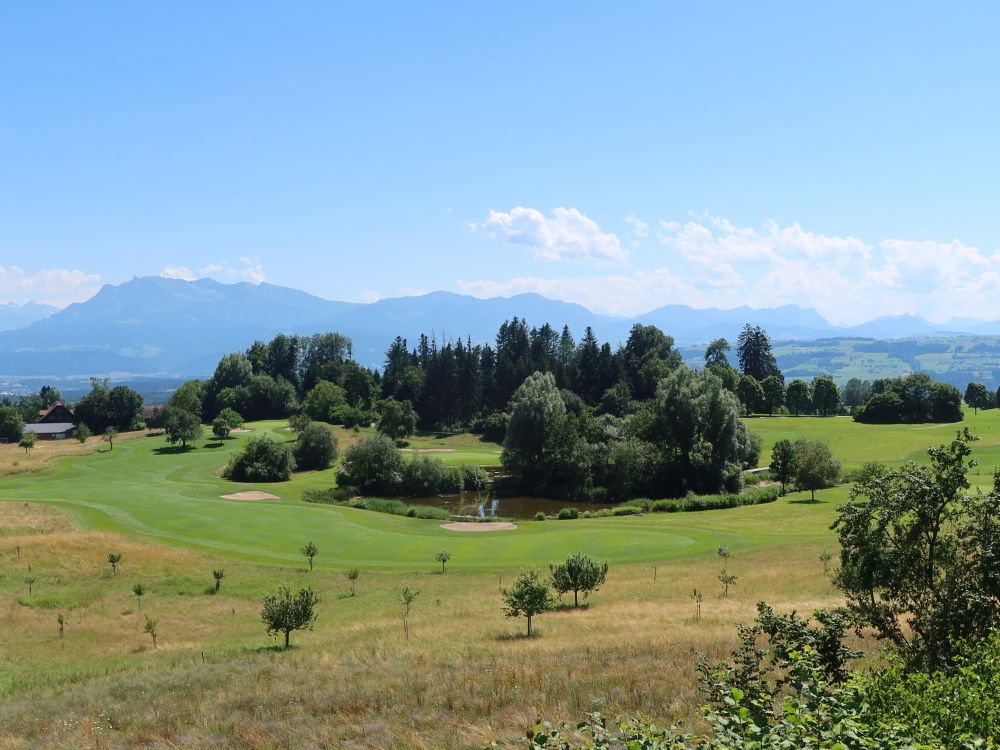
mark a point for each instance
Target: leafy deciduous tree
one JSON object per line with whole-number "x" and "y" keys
{"x": 284, "y": 612}
{"x": 528, "y": 597}
{"x": 579, "y": 572}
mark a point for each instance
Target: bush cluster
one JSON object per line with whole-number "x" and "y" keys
{"x": 757, "y": 496}
{"x": 263, "y": 459}
{"x": 375, "y": 466}
{"x": 399, "y": 508}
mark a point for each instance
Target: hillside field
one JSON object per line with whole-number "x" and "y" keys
{"x": 465, "y": 677}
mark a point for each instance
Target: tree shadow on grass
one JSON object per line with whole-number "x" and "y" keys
{"x": 275, "y": 648}
{"x": 569, "y": 607}
{"x": 519, "y": 636}
{"x": 808, "y": 501}
{"x": 213, "y": 445}
{"x": 171, "y": 450}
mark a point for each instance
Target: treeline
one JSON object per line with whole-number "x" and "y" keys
{"x": 117, "y": 408}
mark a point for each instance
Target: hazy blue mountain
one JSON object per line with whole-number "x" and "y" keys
{"x": 690, "y": 325}
{"x": 164, "y": 327}
{"x": 894, "y": 327}
{"x": 14, "y": 316}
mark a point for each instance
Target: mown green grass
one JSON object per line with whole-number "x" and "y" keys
{"x": 146, "y": 488}
{"x": 854, "y": 443}
{"x": 465, "y": 677}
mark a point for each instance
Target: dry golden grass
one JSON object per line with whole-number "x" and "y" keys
{"x": 465, "y": 677}
{"x": 14, "y": 460}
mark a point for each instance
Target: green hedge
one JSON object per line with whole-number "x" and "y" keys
{"x": 756, "y": 496}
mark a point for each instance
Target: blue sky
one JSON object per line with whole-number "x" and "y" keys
{"x": 628, "y": 155}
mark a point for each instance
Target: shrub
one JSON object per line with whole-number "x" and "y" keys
{"x": 315, "y": 447}
{"x": 231, "y": 417}
{"x": 374, "y": 465}
{"x": 298, "y": 422}
{"x": 424, "y": 476}
{"x": 540, "y": 516}
{"x": 350, "y": 416}
{"x": 329, "y": 496}
{"x": 399, "y": 508}
{"x": 474, "y": 479}
{"x": 569, "y": 514}
{"x": 493, "y": 427}
{"x": 263, "y": 459}
{"x": 398, "y": 419}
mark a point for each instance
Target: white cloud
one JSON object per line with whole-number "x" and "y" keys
{"x": 639, "y": 228}
{"x": 252, "y": 271}
{"x": 567, "y": 233}
{"x": 712, "y": 261}
{"x": 712, "y": 240}
{"x": 53, "y": 286}
{"x": 177, "y": 272}
{"x": 370, "y": 295}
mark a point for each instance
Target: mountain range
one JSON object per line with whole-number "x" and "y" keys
{"x": 14, "y": 316}
{"x": 158, "y": 326}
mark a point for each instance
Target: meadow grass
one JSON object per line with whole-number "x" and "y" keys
{"x": 465, "y": 678}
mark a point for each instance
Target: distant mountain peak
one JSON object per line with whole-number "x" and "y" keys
{"x": 157, "y": 326}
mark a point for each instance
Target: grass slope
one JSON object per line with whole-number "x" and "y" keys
{"x": 148, "y": 489}
{"x": 465, "y": 677}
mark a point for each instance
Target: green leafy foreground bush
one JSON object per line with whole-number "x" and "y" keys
{"x": 796, "y": 693}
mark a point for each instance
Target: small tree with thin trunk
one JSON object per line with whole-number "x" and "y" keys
{"x": 114, "y": 558}
{"x": 28, "y": 441}
{"x": 824, "y": 557}
{"x": 816, "y": 467}
{"x": 140, "y": 591}
{"x": 30, "y": 580}
{"x": 442, "y": 557}
{"x": 109, "y": 437}
{"x": 697, "y": 596}
{"x": 409, "y": 596}
{"x": 309, "y": 551}
{"x": 285, "y": 612}
{"x": 151, "y": 628}
{"x": 726, "y": 578}
{"x": 81, "y": 433}
{"x": 783, "y": 462}
{"x": 218, "y": 575}
{"x": 579, "y": 572}
{"x": 352, "y": 577}
{"x": 529, "y": 596}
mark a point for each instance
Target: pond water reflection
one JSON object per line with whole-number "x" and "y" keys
{"x": 486, "y": 505}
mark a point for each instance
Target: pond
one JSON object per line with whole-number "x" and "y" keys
{"x": 491, "y": 505}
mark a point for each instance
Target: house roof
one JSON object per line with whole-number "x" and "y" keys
{"x": 46, "y": 412}
{"x": 49, "y": 428}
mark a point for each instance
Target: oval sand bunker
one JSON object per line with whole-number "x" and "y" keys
{"x": 473, "y": 526}
{"x": 251, "y": 495}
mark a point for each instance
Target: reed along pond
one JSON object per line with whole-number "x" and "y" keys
{"x": 487, "y": 505}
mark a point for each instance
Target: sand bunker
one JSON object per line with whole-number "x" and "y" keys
{"x": 251, "y": 495}
{"x": 473, "y": 526}
{"x": 429, "y": 450}
{"x": 240, "y": 429}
